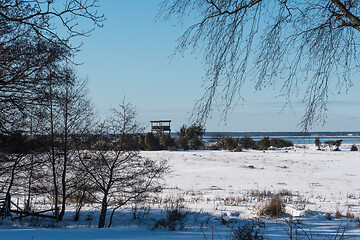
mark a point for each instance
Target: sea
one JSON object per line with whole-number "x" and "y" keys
{"x": 295, "y": 137}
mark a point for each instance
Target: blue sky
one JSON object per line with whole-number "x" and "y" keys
{"x": 131, "y": 56}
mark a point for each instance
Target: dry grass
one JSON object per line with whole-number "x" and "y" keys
{"x": 338, "y": 214}
{"x": 349, "y": 215}
{"x": 275, "y": 208}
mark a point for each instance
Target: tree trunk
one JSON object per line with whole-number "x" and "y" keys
{"x": 53, "y": 160}
{"x": 112, "y": 214}
{"x": 12, "y": 176}
{"x": 27, "y": 207}
{"x": 103, "y": 211}
{"x": 63, "y": 177}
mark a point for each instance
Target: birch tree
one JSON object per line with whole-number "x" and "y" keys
{"x": 292, "y": 43}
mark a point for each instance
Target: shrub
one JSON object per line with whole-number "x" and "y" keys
{"x": 263, "y": 144}
{"x": 151, "y": 142}
{"x": 238, "y": 148}
{"x": 217, "y": 141}
{"x": 275, "y": 208}
{"x": 183, "y": 143}
{"x": 354, "y": 148}
{"x": 280, "y": 143}
{"x": 195, "y": 143}
{"x": 141, "y": 142}
{"x": 176, "y": 214}
{"x": 247, "y": 142}
{"x": 349, "y": 215}
{"x": 229, "y": 143}
{"x": 248, "y": 230}
{"x": 331, "y": 144}
{"x": 338, "y": 214}
{"x": 166, "y": 141}
{"x": 328, "y": 216}
{"x": 128, "y": 142}
{"x": 191, "y": 137}
{"x": 338, "y": 144}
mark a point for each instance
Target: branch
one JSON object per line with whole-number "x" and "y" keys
{"x": 348, "y": 14}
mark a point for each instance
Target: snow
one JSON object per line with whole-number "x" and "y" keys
{"x": 223, "y": 186}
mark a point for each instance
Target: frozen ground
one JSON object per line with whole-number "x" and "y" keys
{"x": 219, "y": 189}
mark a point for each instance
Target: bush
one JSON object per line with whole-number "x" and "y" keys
{"x": 338, "y": 214}
{"x": 238, "y": 148}
{"x": 195, "y": 143}
{"x": 247, "y": 142}
{"x": 336, "y": 143}
{"x": 248, "y": 230}
{"x": 349, "y": 215}
{"x": 275, "y": 208}
{"x": 167, "y": 142}
{"x": 151, "y": 142}
{"x": 191, "y": 137}
{"x": 263, "y": 144}
{"x": 217, "y": 141}
{"x": 128, "y": 142}
{"x": 141, "y": 142}
{"x": 280, "y": 143}
{"x": 229, "y": 143}
{"x": 354, "y": 148}
{"x": 176, "y": 214}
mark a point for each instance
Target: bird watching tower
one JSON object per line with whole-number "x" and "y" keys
{"x": 161, "y": 126}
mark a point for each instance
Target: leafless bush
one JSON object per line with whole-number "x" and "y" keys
{"x": 358, "y": 221}
{"x": 295, "y": 230}
{"x": 328, "y": 216}
{"x": 249, "y": 230}
{"x": 176, "y": 214}
{"x": 285, "y": 192}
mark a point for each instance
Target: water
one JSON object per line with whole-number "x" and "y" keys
{"x": 311, "y": 140}
{"x": 296, "y": 138}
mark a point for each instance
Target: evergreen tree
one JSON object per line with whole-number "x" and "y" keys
{"x": 151, "y": 142}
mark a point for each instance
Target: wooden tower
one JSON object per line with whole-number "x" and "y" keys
{"x": 161, "y": 126}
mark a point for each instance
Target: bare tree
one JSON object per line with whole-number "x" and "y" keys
{"x": 118, "y": 177}
{"x": 34, "y": 35}
{"x": 123, "y": 119}
{"x": 67, "y": 114}
{"x": 116, "y": 174}
{"x": 294, "y": 42}
{"x": 76, "y": 119}
{"x": 124, "y": 126}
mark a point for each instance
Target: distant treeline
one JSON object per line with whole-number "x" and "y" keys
{"x": 188, "y": 138}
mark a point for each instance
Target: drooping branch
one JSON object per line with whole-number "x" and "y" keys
{"x": 236, "y": 10}
{"x": 298, "y": 44}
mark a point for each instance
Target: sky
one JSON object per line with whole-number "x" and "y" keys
{"x": 132, "y": 57}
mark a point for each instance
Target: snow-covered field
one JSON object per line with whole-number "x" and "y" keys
{"x": 217, "y": 190}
